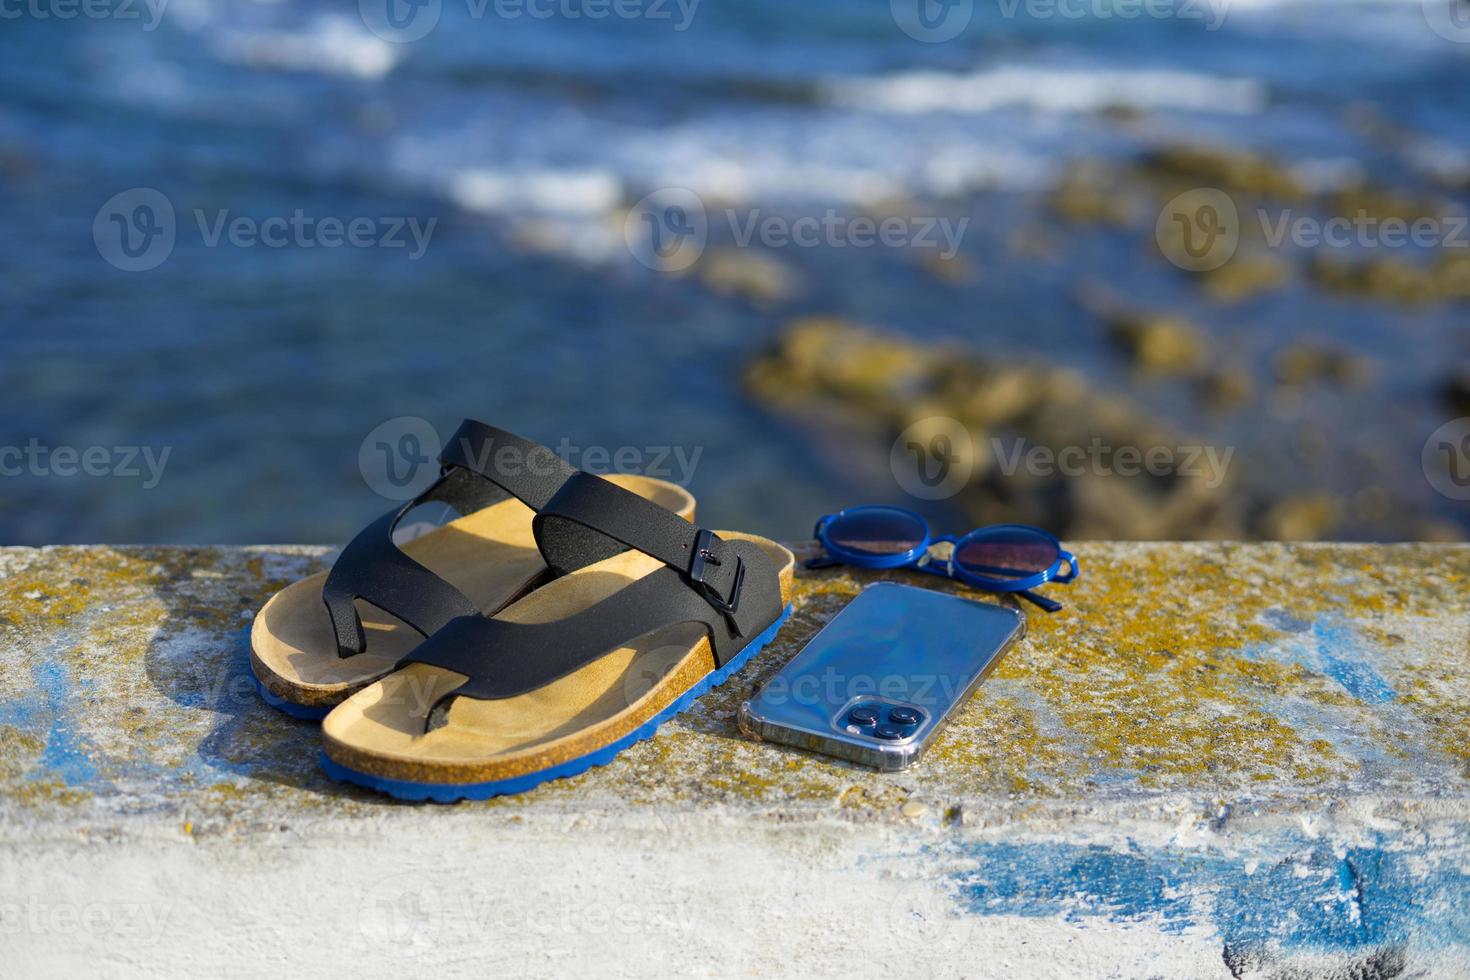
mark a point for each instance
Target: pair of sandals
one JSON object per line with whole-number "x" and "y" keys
{"x": 562, "y": 618}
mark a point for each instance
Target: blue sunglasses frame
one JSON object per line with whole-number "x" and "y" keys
{"x": 919, "y": 558}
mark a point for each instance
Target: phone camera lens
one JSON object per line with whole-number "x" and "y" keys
{"x": 862, "y": 716}
{"x": 903, "y": 716}
{"x": 888, "y": 731}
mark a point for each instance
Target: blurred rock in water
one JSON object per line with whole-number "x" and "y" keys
{"x": 1457, "y": 390}
{"x": 1328, "y": 213}
{"x": 757, "y": 277}
{"x": 1160, "y": 345}
{"x": 1244, "y": 277}
{"x": 1048, "y": 446}
{"x": 1092, "y": 193}
{"x": 1396, "y": 280}
{"x": 958, "y": 269}
{"x": 1016, "y": 415}
{"x": 1304, "y": 518}
{"x": 1306, "y": 362}
{"x": 1226, "y": 170}
{"x": 1226, "y": 386}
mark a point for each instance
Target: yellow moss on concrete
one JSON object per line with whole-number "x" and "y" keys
{"x": 1173, "y": 668}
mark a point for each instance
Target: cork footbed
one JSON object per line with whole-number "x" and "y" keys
{"x": 490, "y": 556}
{"x": 380, "y": 730}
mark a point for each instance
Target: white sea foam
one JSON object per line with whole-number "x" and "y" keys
{"x": 334, "y": 45}
{"x": 1047, "y": 90}
{"x": 569, "y": 192}
{"x": 575, "y": 163}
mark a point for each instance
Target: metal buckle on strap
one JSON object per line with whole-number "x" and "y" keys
{"x": 705, "y": 557}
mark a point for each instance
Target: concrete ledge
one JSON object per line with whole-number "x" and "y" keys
{"x": 1220, "y": 760}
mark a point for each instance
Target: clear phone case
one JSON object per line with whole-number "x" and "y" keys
{"x": 879, "y": 681}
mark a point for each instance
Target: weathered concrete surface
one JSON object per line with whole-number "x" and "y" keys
{"x": 1248, "y": 760}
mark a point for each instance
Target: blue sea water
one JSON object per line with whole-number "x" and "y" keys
{"x": 261, "y": 370}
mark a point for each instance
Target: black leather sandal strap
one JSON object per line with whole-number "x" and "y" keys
{"x": 710, "y": 566}
{"x": 372, "y": 567}
{"x": 481, "y": 464}
{"x": 525, "y": 469}
{"x": 503, "y": 660}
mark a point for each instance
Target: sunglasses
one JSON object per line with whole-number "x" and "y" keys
{"x": 1012, "y": 558}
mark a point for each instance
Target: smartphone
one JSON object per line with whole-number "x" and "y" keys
{"x": 877, "y": 683}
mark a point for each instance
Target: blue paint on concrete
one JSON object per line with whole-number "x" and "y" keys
{"x": 1342, "y": 655}
{"x": 21, "y": 713}
{"x": 67, "y": 754}
{"x": 1331, "y": 647}
{"x": 1074, "y": 882}
{"x": 1309, "y": 895}
{"x": 1285, "y": 621}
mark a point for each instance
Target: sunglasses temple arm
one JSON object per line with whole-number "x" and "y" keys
{"x": 821, "y": 561}
{"x": 1050, "y": 605}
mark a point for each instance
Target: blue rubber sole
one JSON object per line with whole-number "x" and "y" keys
{"x": 304, "y": 712}
{"x": 405, "y": 789}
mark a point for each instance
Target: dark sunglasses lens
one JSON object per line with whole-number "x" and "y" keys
{"x": 1007, "y": 553}
{"x": 879, "y": 531}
